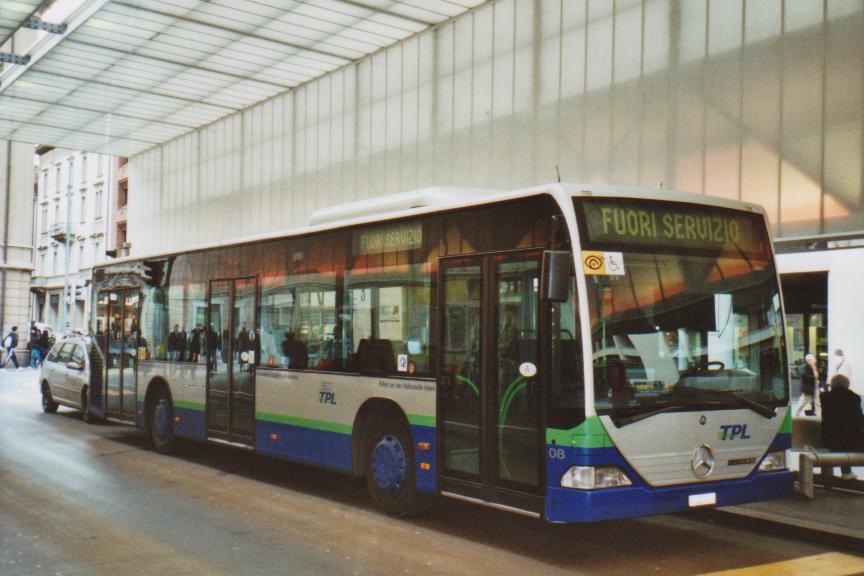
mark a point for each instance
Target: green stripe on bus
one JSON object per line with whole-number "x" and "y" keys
{"x": 189, "y": 405}
{"x": 786, "y": 427}
{"x": 418, "y": 420}
{"x": 305, "y": 422}
{"x": 589, "y": 434}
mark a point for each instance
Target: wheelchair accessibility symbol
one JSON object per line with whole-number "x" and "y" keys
{"x": 603, "y": 263}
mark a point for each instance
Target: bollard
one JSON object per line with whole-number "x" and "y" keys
{"x": 805, "y": 474}
{"x": 806, "y": 462}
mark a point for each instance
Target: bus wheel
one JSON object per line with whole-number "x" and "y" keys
{"x": 86, "y": 415}
{"x": 161, "y": 421}
{"x": 48, "y": 404}
{"x": 390, "y": 469}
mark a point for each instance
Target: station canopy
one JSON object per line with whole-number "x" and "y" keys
{"x": 121, "y": 76}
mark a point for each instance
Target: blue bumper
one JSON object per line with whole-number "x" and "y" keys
{"x": 570, "y": 505}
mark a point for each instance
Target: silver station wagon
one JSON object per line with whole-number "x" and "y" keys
{"x": 65, "y": 376}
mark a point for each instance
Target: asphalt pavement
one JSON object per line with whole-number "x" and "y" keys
{"x": 79, "y": 499}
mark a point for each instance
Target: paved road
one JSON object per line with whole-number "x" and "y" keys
{"x": 80, "y": 499}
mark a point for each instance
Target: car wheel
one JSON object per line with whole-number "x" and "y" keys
{"x": 390, "y": 473}
{"x": 48, "y": 404}
{"x": 160, "y": 420}
{"x": 86, "y": 414}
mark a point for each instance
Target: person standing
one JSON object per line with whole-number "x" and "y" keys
{"x": 842, "y": 420}
{"x": 44, "y": 344}
{"x": 809, "y": 378}
{"x": 35, "y": 352}
{"x": 10, "y": 342}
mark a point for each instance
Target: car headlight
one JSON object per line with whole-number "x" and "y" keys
{"x": 593, "y": 477}
{"x": 773, "y": 461}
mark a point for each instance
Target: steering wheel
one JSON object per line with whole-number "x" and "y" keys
{"x": 710, "y": 363}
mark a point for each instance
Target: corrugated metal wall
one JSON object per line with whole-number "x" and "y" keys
{"x": 755, "y": 99}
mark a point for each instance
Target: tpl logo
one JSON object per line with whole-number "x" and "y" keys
{"x": 327, "y": 398}
{"x": 734, "y": 432}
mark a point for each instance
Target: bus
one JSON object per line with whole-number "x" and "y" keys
{"x": 572, "y": 353}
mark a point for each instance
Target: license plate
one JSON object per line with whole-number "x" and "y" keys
{"x": 702, "y": 499}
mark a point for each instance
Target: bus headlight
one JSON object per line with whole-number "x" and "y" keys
{"x": 592, "y": 477}
{"x": 773, "y": 461}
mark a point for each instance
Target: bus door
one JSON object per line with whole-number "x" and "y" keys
{"x": 120, "y": 342}
{"x": 489, "y": 416}
{"x": 231, "y": 342}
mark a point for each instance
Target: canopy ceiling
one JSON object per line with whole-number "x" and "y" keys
{"x": 127, "y": 75}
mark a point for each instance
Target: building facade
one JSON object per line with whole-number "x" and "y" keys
{"x": 16, "y": 236}
{"x": 72, "y": 222}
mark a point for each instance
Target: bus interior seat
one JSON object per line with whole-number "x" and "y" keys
{"x": 375, "y": 356}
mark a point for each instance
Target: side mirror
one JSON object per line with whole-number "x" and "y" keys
{"x": 555, "y": 283}
{"x": 72, "y": 365}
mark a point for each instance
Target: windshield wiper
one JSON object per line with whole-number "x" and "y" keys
{"x": 762, "y": 409}
{"x": 621, "y": 420}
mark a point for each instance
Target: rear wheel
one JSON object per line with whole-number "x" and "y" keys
{"x": 160, "y": 420}
{"x": 48, "y": 404}
{"x": 86, "y": 415}
{"x": 390, "y": 473}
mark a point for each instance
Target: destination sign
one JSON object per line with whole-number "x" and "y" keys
{"x": 389, "y": 239}
{"x": 671, "y": 225}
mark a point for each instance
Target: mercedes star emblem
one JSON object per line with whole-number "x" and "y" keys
{"x": 702, "y": 461}
{"x": 703, "y": 420}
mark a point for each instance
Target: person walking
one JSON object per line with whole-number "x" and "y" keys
{"x": 35, "y": 353}
{"x": 842, "y": 420}
{"x": 10, "y": 342}
{"x": 44, "y": 344}
{"x": 809, "y": 378}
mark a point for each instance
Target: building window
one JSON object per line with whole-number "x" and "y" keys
{"x": 99, "y": 165}
{"x": 54, "y": 263}
{"x": 97, "y": 248}
{"x": 43, "y": 225}
{"x": 57, "y": 179}
{"x": 83, "y": 206}
{"x": 44, "y": 191}
{"x": 42, "y": 270}
{"x": 97, "y": 210}
{"x": 83, "y": 167}
{"x": 56, "y": 211}
{"x": 81, "y": 255}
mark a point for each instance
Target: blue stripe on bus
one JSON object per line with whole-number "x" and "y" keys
{"x": 192, "y": 424}
{"x": 427, "y": 480}
{"x": 319, "y": 447}
{"x": 569, "y": 505}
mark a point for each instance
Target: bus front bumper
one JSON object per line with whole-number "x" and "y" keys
{"x": 571, "y": 505}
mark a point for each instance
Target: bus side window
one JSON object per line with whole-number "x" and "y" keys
{"x": 566, "y": 382}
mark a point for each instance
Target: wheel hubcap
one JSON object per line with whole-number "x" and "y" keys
{"x": 389, "y": 464}
{"x": 160, "y": 421}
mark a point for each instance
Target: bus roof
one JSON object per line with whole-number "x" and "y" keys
{"x": 434, "y": 199}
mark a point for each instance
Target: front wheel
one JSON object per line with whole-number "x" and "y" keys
{"x": 160, "y": 420}
{"x": 48, "y": 404}
{"x": 390, "y": 473}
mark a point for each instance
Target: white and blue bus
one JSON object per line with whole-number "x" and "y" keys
{"x": 573, "y": 353}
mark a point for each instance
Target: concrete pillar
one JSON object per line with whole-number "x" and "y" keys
{"x": 16, "y": 237}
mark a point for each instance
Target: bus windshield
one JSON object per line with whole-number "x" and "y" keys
{"x": 684, "y": 309}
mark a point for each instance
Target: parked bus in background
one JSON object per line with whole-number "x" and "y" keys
{"x": 573, "y": 353}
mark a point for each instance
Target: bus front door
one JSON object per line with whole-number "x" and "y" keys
{"x": 232, "y": 348}
{"x": 120, "y": 342}
{"x": 489, "y": 417}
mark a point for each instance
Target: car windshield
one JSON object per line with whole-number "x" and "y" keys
{"x": 684, "y": 308}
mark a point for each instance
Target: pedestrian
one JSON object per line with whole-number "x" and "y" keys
{"x": 35, "y": 353}
{"x": 44, "y": 344}
{"x": 842, "y": 420}
{"x": 10, "y": 342}
{"x": 809, "y": 377}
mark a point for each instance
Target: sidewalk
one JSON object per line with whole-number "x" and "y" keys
{"x": 836, "y": 513}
